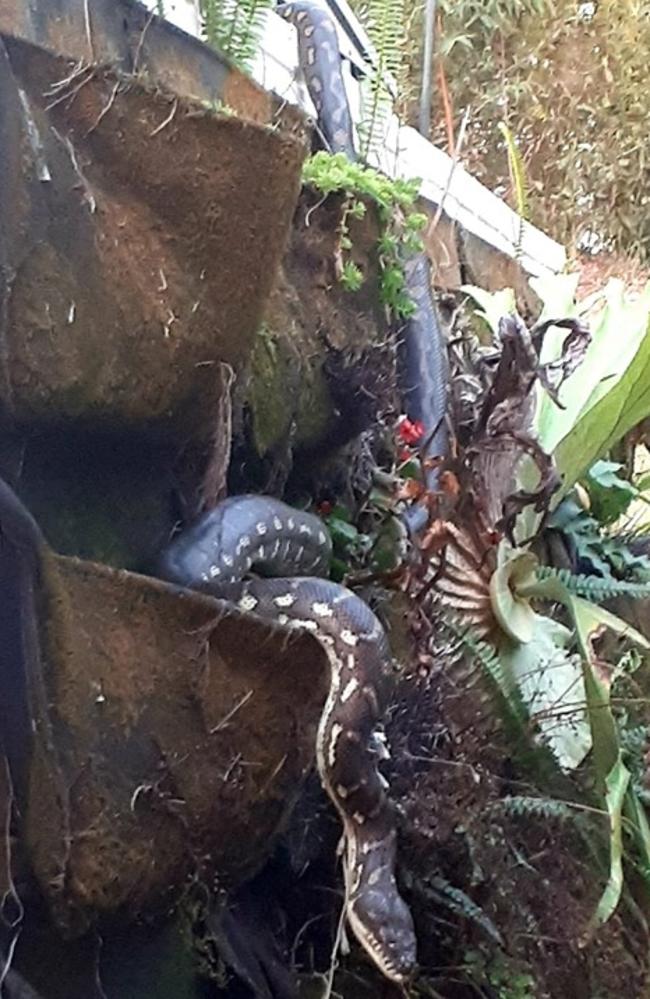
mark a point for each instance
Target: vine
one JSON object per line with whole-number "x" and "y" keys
{"x": 400, "y": 224}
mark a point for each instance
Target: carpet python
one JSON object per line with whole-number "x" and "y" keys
{"x": 260, "y": 534}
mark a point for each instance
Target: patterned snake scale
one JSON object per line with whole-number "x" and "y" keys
{"x": 257, "y": 533}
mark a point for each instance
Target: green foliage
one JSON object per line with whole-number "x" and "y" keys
{"x": 595, "y": 588}
{"x": 571, "y": 83}
{"x": 517, "y": 179}
{"x": 524, "y": 806}
{"x": 438, "y": 890}
{"x": 384, "y": 21}
{"x": 610, "y": 495}
{"x": 504, "y": 976}
{"x": 233, "y": 27}
{"x": 400, "y": 224}
{"x": 608, "y": 556}
{"x": 608, "y": 394}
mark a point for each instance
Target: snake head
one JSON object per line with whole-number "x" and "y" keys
{"x": 383, "y": 925}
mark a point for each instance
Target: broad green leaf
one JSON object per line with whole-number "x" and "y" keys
{"x": 557, "y": 293}
{"x": 610, "y": 494}
{"x": 616, "y": 784}
{"x": 607, "y": 395}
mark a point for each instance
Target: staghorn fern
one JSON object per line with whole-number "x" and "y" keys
{"x": 234, "y": 27}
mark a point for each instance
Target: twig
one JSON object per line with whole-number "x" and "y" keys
{"x": 105, "y": 109}
{"x": 89, "y": 34}
{"x": 233, "y": 711}
{"x": 70, "y": 94}
{"x": 90, "y": 197}
{"x": 138, "y": 51}
{"x": 11, "y": 888}
{"x": 166, "y": 122}
{"x": 452, "y": 170}
{"x": 10, "y": 956}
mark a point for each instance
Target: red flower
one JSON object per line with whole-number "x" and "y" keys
{"x": 410, "y": 431}
{"x": 325, "y": 508}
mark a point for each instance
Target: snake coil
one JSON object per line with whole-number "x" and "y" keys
{"x": 257, "y": 533}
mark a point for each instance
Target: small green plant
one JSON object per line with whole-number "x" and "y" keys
{"x": 507, "y": 978}
{"x": 400, "y": 224}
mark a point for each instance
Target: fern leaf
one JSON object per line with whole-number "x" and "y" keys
{"x": 234, "y": 27}
{"x": 438, "y": 890}
{"x": 526, "y": 806}
{"x": 595, "y": 588}
{"x": 384, "y": 21}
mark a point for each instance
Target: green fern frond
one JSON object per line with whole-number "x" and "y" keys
{"x": 489, "y": 661}
{"x": 526, "y": 806}
{"x": 234, "y": 27}
{"x": 438, "y": 890}
{"x": 595, "y": 588}
{"x": 384, "y": 20}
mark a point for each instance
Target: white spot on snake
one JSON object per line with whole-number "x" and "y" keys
{"x": 326, "y": 640}
{"x": 227, "y": 559}
{"x": 342, "y": 791}
{"x": 291, "y": 523}
{"x": 261, "y": 528}
{"x": 306, "y": 624}
{"x": 283, "y": 619}
{"x": 374, "y": 877}
{"x": 349, "y": 690}
{"x": 276, "y": 548}
{"x": 331, "y": 746}
{"x": 204, "y": 577}
{"x": 277, "y": 523}
{"x": 322, "y": 538}
{"x": 284, "y": 600}
{"x": 311, "y": 59}
{"x": 308, "y": 32}
{"x": 304, "y": 529}
{"x": 351, "y": 661}
{"x": 300, "y": 553}
{"x": 215, "y": 571}
{"x": 243, "y": 543}
{"x": 261, "y": 552}
{"x": 322, "y": 609}
{"x": 349, "y": 637}
{"x": 247, "y": 602}
{"x": 358, "y": 818}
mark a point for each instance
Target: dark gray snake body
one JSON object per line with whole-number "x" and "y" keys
{"x": 422, "y": 352}
{"x": 257, "y": 533}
